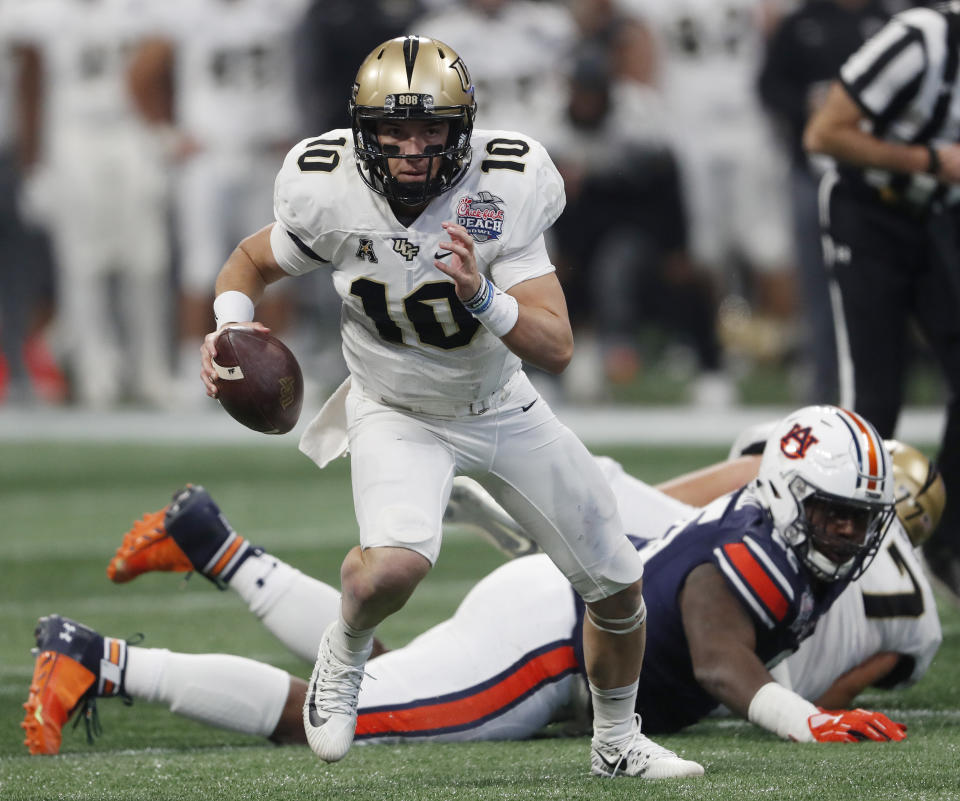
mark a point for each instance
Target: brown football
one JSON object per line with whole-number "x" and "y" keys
{"x": 259, "y": 382}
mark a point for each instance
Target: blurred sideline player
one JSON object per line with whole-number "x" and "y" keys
{"x": 708, "y": 59}
{"x": 527, "y": 658}
{"x": 217, "y": 82}
{"x": 622, "y": 238}
{"x": 16, "y": 282}
{"x": 517, "y": 51}
{"x": 98, "y": 183}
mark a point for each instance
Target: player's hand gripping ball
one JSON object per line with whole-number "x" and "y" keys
{"x": 259, "y": 381}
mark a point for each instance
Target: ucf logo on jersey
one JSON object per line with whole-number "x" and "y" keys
{"x": 405, "y": 248}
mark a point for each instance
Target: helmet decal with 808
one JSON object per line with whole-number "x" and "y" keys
{"x": 827, "y": 481}
{"x": 412, "y": 78}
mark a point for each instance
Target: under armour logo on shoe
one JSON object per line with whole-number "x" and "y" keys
{"x": 66, "y": 633}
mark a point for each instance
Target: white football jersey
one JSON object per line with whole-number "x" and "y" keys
{"x": 234, "y": 70}
{"x": 405, "y": 334}
{"x": 891, "y": 607}
{"x": 709, "y": 54}
{"x": 85, "y": 46}
{"x": 516, "y": 58}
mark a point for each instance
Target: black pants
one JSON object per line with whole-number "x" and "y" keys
{"x": 890, "y": 268}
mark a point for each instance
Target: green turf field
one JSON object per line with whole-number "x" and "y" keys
{"x": 63, "y": 510}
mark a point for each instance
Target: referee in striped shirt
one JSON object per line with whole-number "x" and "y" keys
{"x": 889, "y": 215}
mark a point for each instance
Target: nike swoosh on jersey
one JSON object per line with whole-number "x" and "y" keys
{"x": 442, "y": 254}
{"x": 527, "y": 407}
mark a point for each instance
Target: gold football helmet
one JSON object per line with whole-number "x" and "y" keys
{"x": 918, "y": 490}
{"x": 412, "y": 78}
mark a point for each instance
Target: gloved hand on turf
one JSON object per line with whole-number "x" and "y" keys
{"x": 854, "y": 725}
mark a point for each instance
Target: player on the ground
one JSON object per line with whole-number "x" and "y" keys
{"x": 883, "y": 630}
{"x": 488, "y": 673}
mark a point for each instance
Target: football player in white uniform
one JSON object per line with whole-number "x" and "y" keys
{"x": 99, "y": 184}
{"x": 709, "y": 55}
{"x": 217, "y": 81}
{"x": 505, "y": 675}
{"x": 518, "y": 51}
{"x": 446, "y": 285}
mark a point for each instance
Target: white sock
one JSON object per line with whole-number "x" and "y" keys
{"x": 351, "y": 645}
{"x": 295, "y": 608}
{"x": 229, "y": 692}
{"x": 613, "y": 711}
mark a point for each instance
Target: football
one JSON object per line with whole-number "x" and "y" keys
{"x": 259, "y": 381}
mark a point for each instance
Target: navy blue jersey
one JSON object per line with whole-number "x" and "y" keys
{"x": 735, "y": 534}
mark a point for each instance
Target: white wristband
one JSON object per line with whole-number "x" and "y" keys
{"x": 232, "y": 307}
{"x": 782, "y": 711}
{"x": 497, "y": 311}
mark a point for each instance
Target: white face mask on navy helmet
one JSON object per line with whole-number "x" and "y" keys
{"x": 824, "y": 469}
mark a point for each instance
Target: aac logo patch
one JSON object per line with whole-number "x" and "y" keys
{"x": 365, "y": 251}
{"x": 796, "y": 442}
{"x": 481, "y": 216}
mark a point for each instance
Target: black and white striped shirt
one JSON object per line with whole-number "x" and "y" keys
{"x": 904, "y": 79}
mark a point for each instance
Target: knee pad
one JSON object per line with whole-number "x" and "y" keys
{"x": 404, "y": 526}
{"x": 620, "y": 625}
{"x": 401, "y": 526}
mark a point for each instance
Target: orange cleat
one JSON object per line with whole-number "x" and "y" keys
{"x": 59, "y": 685}
{"x": 190, "y": 534}
{"x": 145, "y": 548}
{"x": 73, "y": 666}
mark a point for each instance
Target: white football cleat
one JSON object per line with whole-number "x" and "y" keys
{"x": 471, "y": 506}
{"x": 638, "y": 755}
{"x": 330, "y": 710}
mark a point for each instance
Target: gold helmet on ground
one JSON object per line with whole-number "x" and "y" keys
{"x": 412, "y": 78}
{"x": 918, "y": 489}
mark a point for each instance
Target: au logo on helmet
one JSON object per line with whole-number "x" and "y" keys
{"x": 796, "y": 441}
